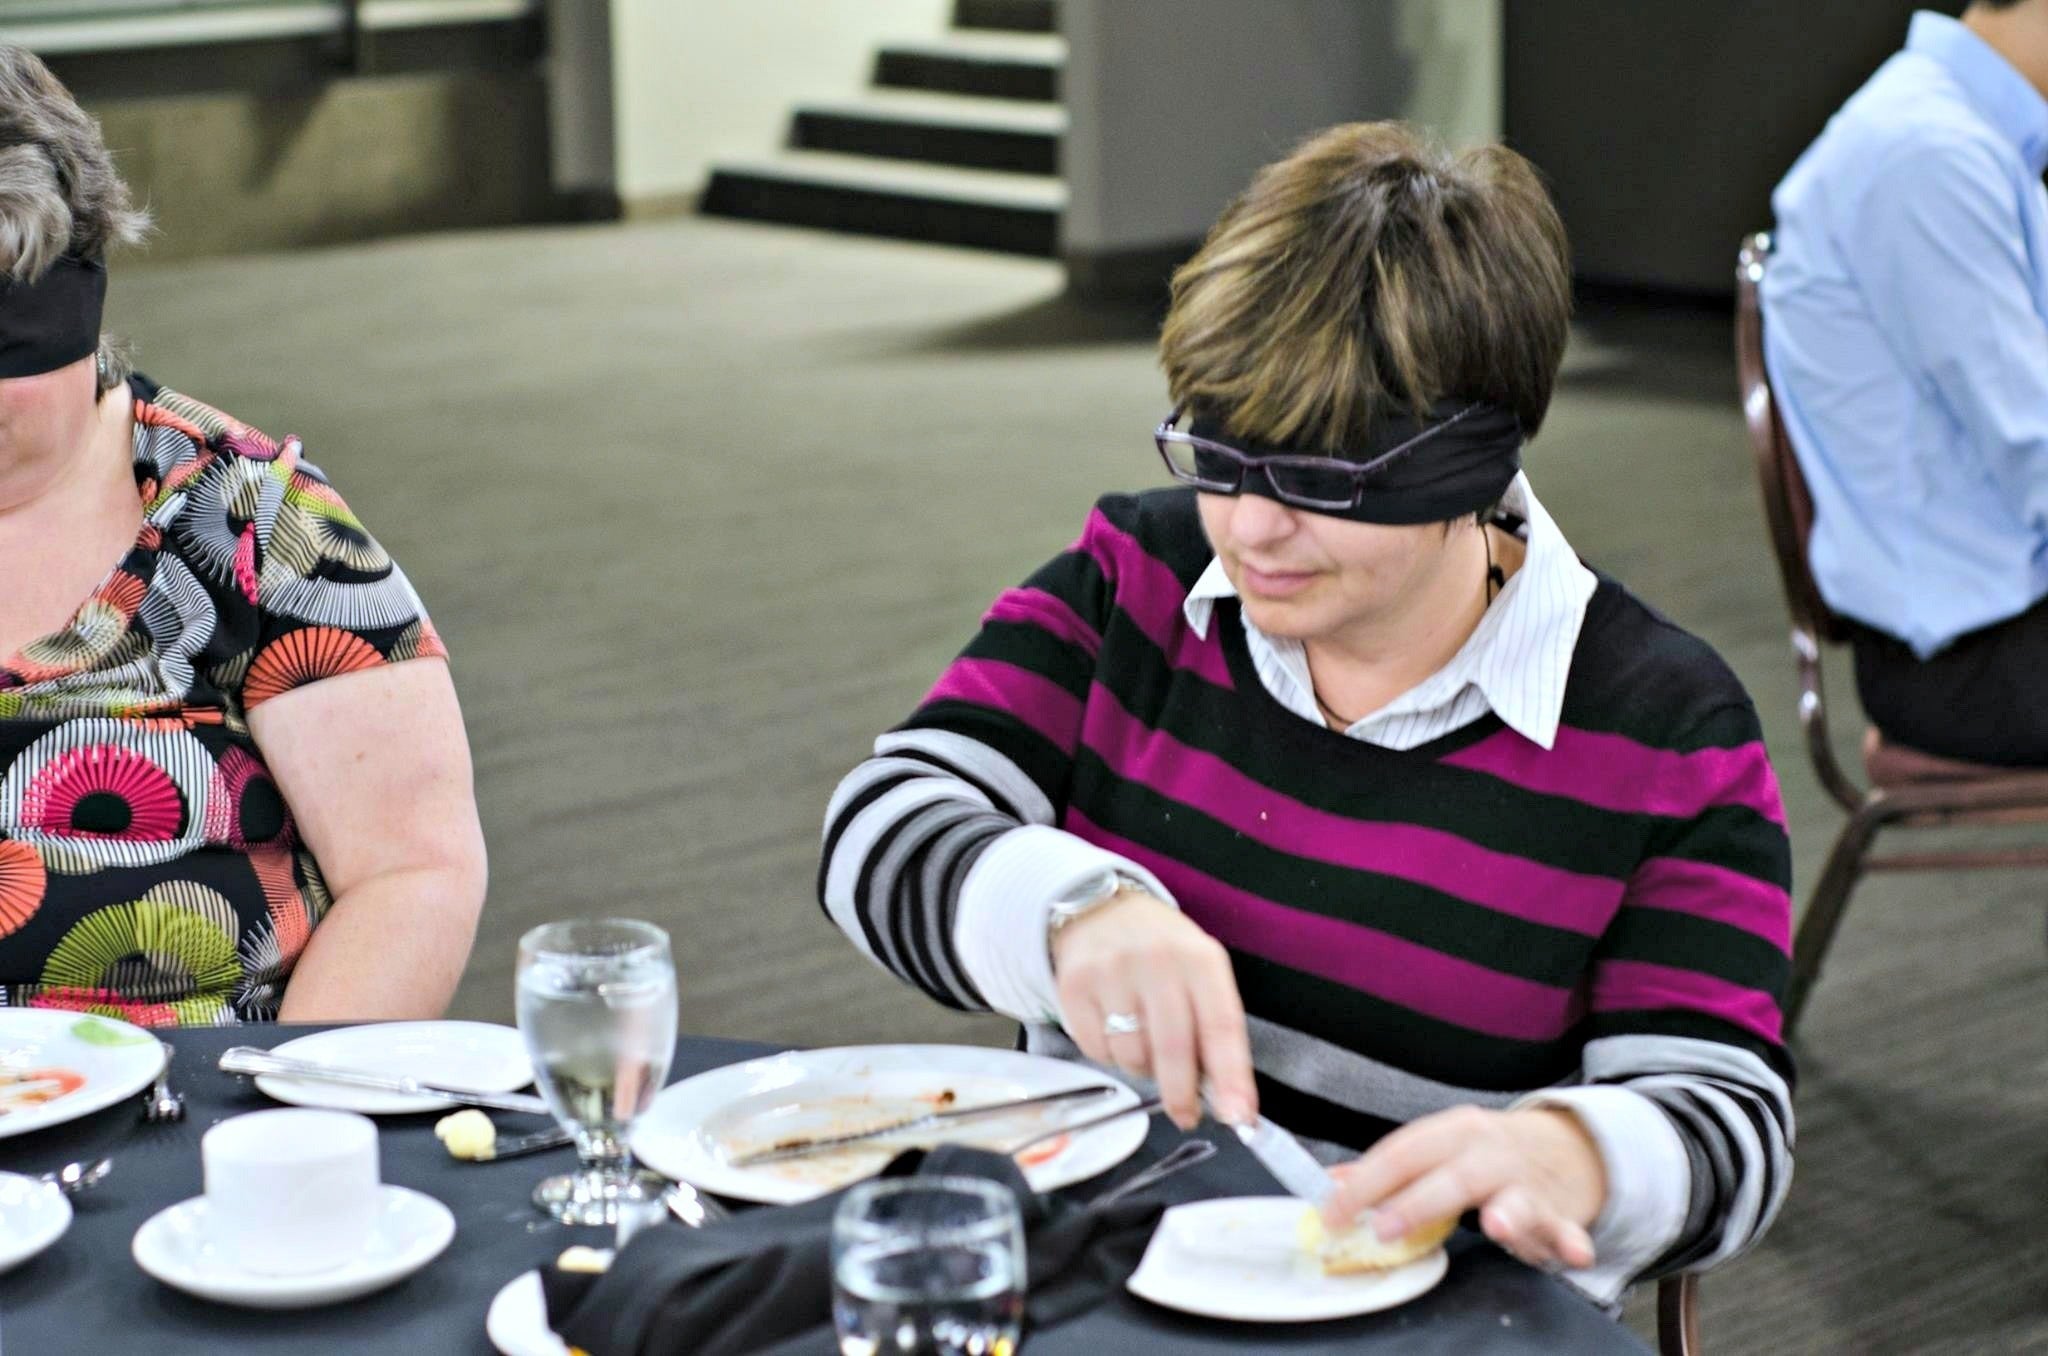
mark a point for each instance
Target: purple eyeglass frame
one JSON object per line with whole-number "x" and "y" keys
{"x": 1244, "y": 462}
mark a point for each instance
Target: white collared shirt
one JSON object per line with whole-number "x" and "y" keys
{"x": 1515, "y": 662}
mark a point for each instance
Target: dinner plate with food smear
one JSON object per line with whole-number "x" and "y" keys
{"x": 751, "y": 1131}
{"x": 1267, "y": 1259}
{"x": 57, "y": 1066}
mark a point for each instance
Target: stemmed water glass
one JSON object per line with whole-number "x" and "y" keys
{"x": 597, "y": 1006}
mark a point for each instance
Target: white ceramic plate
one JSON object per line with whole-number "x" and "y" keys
{"x": 33, "y": 1215}
{"x": 108, "y": 1059}
{"x": 174, "y": 1246}
{"x": 517, "y": 1323}
{"x": 478, "y": 1056}
{"x": 1238, "y": 1258}
{"x": 697, "y": 1126}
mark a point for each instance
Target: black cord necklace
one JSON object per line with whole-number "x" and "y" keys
{"x": 1496, "y": 580}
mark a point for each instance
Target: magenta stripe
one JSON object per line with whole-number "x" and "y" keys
{"x": 1032, "y": 698}
{"x": 1036, "y": 607}
{"x": 1427, "y": 981}
{"x": 1149, "y": 592}
{"x": 1617, "y": 773}
{"x": 1634, "y": 986}
{"x": 1431, "y": 857}
{"x": 1716, "y": 893}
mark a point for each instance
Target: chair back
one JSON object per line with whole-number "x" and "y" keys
{"x": 1788, "y": 507}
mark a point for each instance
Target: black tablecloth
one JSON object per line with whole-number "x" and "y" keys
{"x": 85, "y": 1294}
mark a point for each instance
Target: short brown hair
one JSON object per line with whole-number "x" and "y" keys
{"x": 1367, "y": 271}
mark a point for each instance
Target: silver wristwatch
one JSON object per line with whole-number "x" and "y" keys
{"x": 1091, "y": 892}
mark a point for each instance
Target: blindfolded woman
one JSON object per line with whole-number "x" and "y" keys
{"x": 1332, "y": 785}
{"x": 234, "y": 783}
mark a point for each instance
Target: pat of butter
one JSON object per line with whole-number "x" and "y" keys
{"x": 589, "y": 1261}
{"x": 468, "y": 1134}
{"x": 1308, "y": 1232}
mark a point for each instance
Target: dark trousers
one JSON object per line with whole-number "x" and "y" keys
{"x": 1984, "y": 699}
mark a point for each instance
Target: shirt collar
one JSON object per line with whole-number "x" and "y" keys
{"x": 1520, "y": 653}
{"x": 2005, "y": 97}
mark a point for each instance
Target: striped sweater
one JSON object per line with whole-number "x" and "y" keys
{"x": 1463, "y": 922}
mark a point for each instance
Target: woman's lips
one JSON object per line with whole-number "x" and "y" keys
{"x": 1274, "y": 583}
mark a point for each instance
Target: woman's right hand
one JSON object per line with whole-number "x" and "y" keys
{"x": 1139, "y": 957}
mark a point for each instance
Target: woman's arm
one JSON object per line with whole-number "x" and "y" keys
{"x": 1675, "y": 1151}
{"x": 375, "y": 768}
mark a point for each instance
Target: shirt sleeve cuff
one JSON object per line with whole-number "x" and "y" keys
{"x": 999, "y": 924}
{"x": 1649, "y": 1182}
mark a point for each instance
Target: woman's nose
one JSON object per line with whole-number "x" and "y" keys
{"x": 1255, "y": 519}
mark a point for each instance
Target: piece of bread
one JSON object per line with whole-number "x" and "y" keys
{"x": 1359, "y": 1249}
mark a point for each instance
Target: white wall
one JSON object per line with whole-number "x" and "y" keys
{"x": 1173, "y": 103}
{"x": 689, "y": 81}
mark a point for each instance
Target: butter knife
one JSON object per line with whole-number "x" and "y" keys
{"x": 250, "y": 1061}
{"x": 1281, "y": 1154}
{"x": 824, "y": 1143}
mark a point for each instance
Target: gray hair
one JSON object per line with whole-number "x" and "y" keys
{"x": 59, "y": 191}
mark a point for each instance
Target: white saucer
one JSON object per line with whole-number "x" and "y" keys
{"x": 1240, "y": 1259}
{"x": 411, "y": 1231}
{"x": 479, "y": 1056}
{"x": 33, "y": 1215}
{"x": 517, "y": 1323}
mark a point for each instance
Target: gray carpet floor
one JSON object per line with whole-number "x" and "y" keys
{"x": 702, "y": 507}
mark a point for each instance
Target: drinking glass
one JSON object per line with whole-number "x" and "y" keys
{"x": 597, "y": 1005}
{"x": 928, "y": 1265}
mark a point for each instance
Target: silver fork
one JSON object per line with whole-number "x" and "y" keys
{"x": 1185, "y": 1155}
{"x": 163, "y": 1103}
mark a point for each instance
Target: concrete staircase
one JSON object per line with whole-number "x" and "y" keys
{"x": 956, "y": 141}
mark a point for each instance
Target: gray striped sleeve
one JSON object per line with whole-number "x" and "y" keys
{"x": 901, "y": 832}
{"x": 1735, "y": 1114}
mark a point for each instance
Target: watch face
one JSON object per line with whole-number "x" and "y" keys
{"x": 1089, "y": 890}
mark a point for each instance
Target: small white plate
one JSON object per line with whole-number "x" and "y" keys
{"x": 173, "y": 1246}
{"x": 33, "y": 1215}
{"x": 1239, "y": 1258}
{"x": 477, "y": 1056}
{"x": 517, "y": 1323}
{"x": 103, "y": 1060}
{"x": 696, "y": 1127}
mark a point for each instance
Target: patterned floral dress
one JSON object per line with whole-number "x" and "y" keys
{"x": 149, "y": 867}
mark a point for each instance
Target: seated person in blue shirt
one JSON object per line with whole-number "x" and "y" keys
{"x": 1906, "y": 334}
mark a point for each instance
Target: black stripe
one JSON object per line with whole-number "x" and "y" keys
{"x": 1686, "y": 941}
{"x": 847, "y": 814}
{"x": 996, "y": 798}
{"x": 1398, "y": 1036}
{"x": 1047, "y": 764}
{"x": 1731, "y": 836}
{"x": 1036, "y": 649}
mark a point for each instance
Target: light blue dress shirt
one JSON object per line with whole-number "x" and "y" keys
{"x": 1906, "y": 333}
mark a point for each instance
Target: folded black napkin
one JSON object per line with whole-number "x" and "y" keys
{"x": 761, "y": 1283}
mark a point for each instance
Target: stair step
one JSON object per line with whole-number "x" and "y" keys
{"x": 951, "y": 129}
{"x": 1019, "y": 213}
{"x": 998, "y": 65}
{"x": 1018, "y": 16}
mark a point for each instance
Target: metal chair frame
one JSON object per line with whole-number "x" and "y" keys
{"x": 1999, "y": 798}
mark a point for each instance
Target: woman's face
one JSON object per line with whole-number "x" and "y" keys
{"x": 1307, "y": 576}
{"x": 47, "y": 410}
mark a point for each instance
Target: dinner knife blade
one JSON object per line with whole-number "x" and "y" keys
{"x": 247, "y": 1059}
{"x": 823, "y": 1143}
{"x": 1281, "y": 1154}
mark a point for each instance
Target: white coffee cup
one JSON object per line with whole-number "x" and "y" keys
{"x": 291, "y": 1192}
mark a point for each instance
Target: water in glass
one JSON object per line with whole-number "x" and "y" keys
{"x": 597, "y": 1005}
{"x": 928, "y": 1267}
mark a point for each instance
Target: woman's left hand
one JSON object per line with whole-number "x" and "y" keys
{"x": 1534, "y": 1175}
